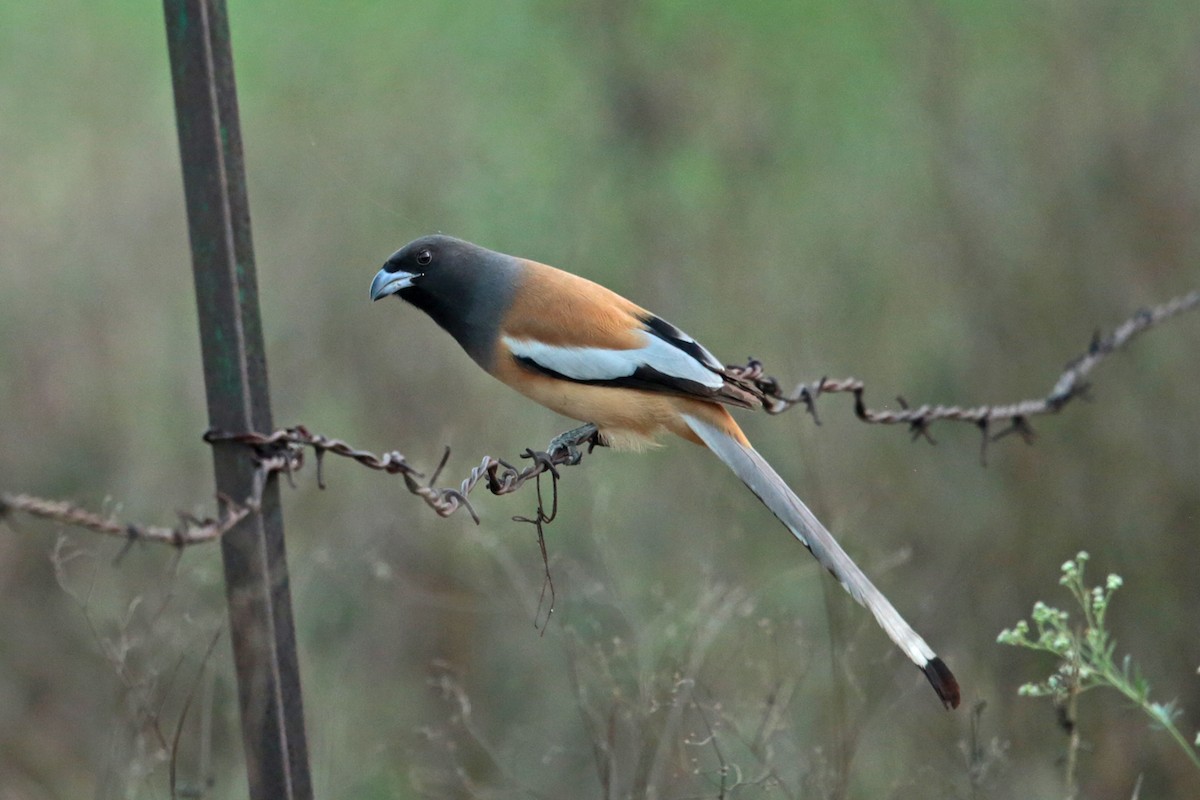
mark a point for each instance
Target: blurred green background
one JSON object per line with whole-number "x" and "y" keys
{"x": 944, "y": 199}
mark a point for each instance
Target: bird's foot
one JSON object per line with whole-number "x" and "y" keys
{"x": 571, "y": 440}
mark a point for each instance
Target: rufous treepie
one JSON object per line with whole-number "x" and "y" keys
{"x": 589, "y": 354}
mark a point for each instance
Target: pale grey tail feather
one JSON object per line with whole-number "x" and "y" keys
{"x": 762, "y": 479}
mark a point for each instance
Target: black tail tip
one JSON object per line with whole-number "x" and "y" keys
{"x": 943, "y": 682}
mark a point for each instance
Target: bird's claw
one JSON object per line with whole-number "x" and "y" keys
{"x": 570, "y": 441}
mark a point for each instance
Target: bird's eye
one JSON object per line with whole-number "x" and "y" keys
{"x": 424, "y": 257}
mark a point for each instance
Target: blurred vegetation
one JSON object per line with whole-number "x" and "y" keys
{"x": 1086, "y": 656}
{"x": 944, "y": 199}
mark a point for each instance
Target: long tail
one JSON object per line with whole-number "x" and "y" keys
{"x": 758, "y": 475}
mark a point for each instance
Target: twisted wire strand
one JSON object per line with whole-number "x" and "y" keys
{"x": 283, "y": 451}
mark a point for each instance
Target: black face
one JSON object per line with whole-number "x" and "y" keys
{"x": 416, "y": 264}
{"x": 465, "y": 288}
{"x": 416, "y": 257}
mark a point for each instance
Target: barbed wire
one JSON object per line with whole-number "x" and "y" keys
{"x": 1071, "y": 384}
{"x": 189, "y": 531}
{"x": 283, "y": 451}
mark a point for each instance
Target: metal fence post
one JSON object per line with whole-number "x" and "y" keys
{"x": 235, "y": 377}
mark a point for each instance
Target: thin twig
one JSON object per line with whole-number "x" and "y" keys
{"x": 187, "y": 704}
{"x": 539, "y": 521}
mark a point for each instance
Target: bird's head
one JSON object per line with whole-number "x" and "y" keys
{"x": 464, "y": 287}
{"x": 430, "y": 262}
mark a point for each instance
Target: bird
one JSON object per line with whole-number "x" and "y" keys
{"x": 630, "y": 376}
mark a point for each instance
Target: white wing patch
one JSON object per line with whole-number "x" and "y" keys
{"x": 671, "y": 332}
{"x": 601, "y": 364}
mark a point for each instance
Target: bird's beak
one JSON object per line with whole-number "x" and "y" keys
{"x": 386, "y": 283}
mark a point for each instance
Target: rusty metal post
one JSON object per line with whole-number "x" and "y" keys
{"x": 235, "y": 378}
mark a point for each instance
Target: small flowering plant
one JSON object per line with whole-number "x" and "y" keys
{"x": 1086, "y": 652}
